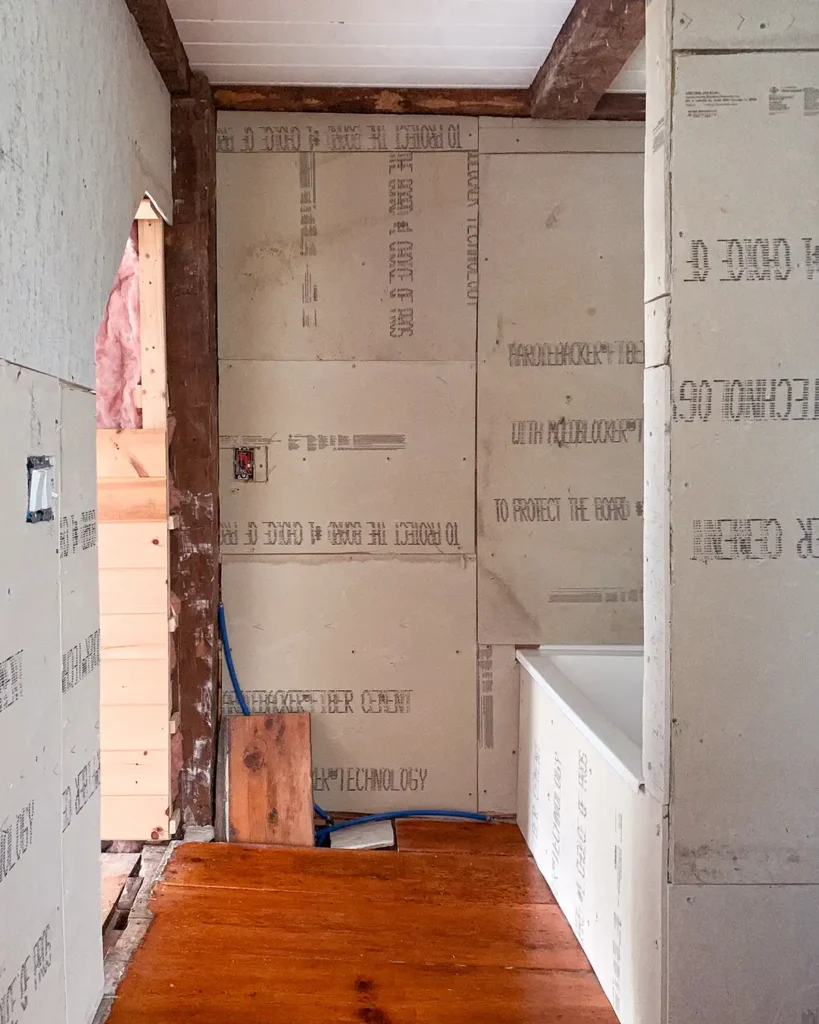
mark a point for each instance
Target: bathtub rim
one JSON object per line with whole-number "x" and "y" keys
{"x": 621, "y": 752}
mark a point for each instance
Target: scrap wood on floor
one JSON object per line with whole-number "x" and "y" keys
{"x": 290, "y": 936}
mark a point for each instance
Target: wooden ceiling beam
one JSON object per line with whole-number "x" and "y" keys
{"x": 597, "y": 39}
{"x": 363, "y": 100}
{"x": 159, "y": 32}
{"x": 446, "y": 102}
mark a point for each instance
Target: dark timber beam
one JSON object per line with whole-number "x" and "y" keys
{"x": 598, "y": 38}
{"x": 361, "y": 100}
{"x": 447, "y": 102}
{"x": 164, "y": 45}
{"x": 190, "y": 295}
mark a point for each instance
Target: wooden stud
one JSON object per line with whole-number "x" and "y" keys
{"x": 269, "y": 784}
{"x": 597, "y": 39}
{"x": 190, "y": 284}
{"x": 152, "y": 324}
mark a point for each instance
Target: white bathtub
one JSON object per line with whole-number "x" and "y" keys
{"x": 594, "y": 832}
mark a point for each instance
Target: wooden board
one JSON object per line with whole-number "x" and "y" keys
{"x": 124, "y": 501}
{"x": 130, "y": 545}
{"x": 116, "y": 869}
{"x": 152, "y": 324}
{"x": 133, "y": 591}
{"x": 373, "y": 875}
{"x": 459, "y": 837}
{"x": 270, "y": 795}
{"x": 131, "y": 454}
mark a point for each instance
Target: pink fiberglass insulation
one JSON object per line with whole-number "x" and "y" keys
{"x": 118, "y": 355}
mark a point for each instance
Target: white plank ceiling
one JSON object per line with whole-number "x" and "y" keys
{"x": 425, "y": 43}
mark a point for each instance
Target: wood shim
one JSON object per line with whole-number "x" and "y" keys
{"x": 269, "y": 791}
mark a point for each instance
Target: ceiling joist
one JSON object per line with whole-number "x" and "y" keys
{"x": 445, "y": 102}
{"x": 597, "y": 39}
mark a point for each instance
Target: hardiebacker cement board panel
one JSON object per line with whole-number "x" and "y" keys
{"x": 525, "y": 135}
{"x": 744, "y": 479}
{"x": 338, "y": 251}
{"x": 347, "y": 457}
{"x": 101, "y": 115}
{"x": 498, "y": 729}
{"x": 657, "y": 201}
{"x": 80, "y": 632}
{"x": 381, "y": 651}
{"x": 31, "y": 952}
{"x": 745, "y": 261}
{"x": 598, "y": 841}
{"x": 745, "y": 24}
{"x": 743, "y": 953}
{"x": 657, "y": 582}
{"x": 560, "y": 418}
{"x": 547, "y": 792}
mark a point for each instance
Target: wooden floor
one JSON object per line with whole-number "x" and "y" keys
{"x": 457, "y": 927}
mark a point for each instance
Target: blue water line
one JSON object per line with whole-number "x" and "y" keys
{"x": 240, "y": 697}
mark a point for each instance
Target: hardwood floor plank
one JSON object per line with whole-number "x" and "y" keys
{"x": 251, "y": 935}
{"x": 375, "y": 875}
{"x": 269, "y": 924}
{"x": 219, "y": 988}
{"x": 494, "y": 839}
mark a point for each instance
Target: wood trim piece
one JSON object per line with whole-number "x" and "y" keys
{"x": 354, "y": 100}
{"x": 597, "y": 39}
{"x": 152, "y": 323}
{"x": 157, "y": 28}
{"x": 190, "y": 282}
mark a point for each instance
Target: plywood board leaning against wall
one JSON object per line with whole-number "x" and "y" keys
{"x": 340, "y": 457}
{"x": 347, "y": 237}
{"x": 561, "y": 356}
{"x": 31, "y": 799}
{"x": 381, "y": 651}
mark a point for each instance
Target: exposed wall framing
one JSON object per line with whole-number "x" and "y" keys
{"x": 190, "y": 270}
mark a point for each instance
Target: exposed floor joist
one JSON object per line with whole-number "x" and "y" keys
{"x": 447, "y": 102}
{"x": 597, "y": 39}
{"x": 164, "y": 45}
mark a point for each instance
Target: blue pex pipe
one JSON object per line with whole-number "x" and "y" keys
{"x": 323, "y": 834}
{"x": 240, "y": 697}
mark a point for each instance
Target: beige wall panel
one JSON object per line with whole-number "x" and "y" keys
{"x": 31, "y": 799}
{"x": 80, "y": 632}
{"x": 744, "y": 479}
{"x": 381, "y": 651}
{"x": 346, "y": 252}
{"x": 767, "y": 969}
{"x": 87, "y": 132}
{"x": 524, "y": 135}
{"x": 348, "y": 457}
{"x": 560, "y": 400}
{"x": 746, "y": 25}
{"x": 498, "y": 729}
